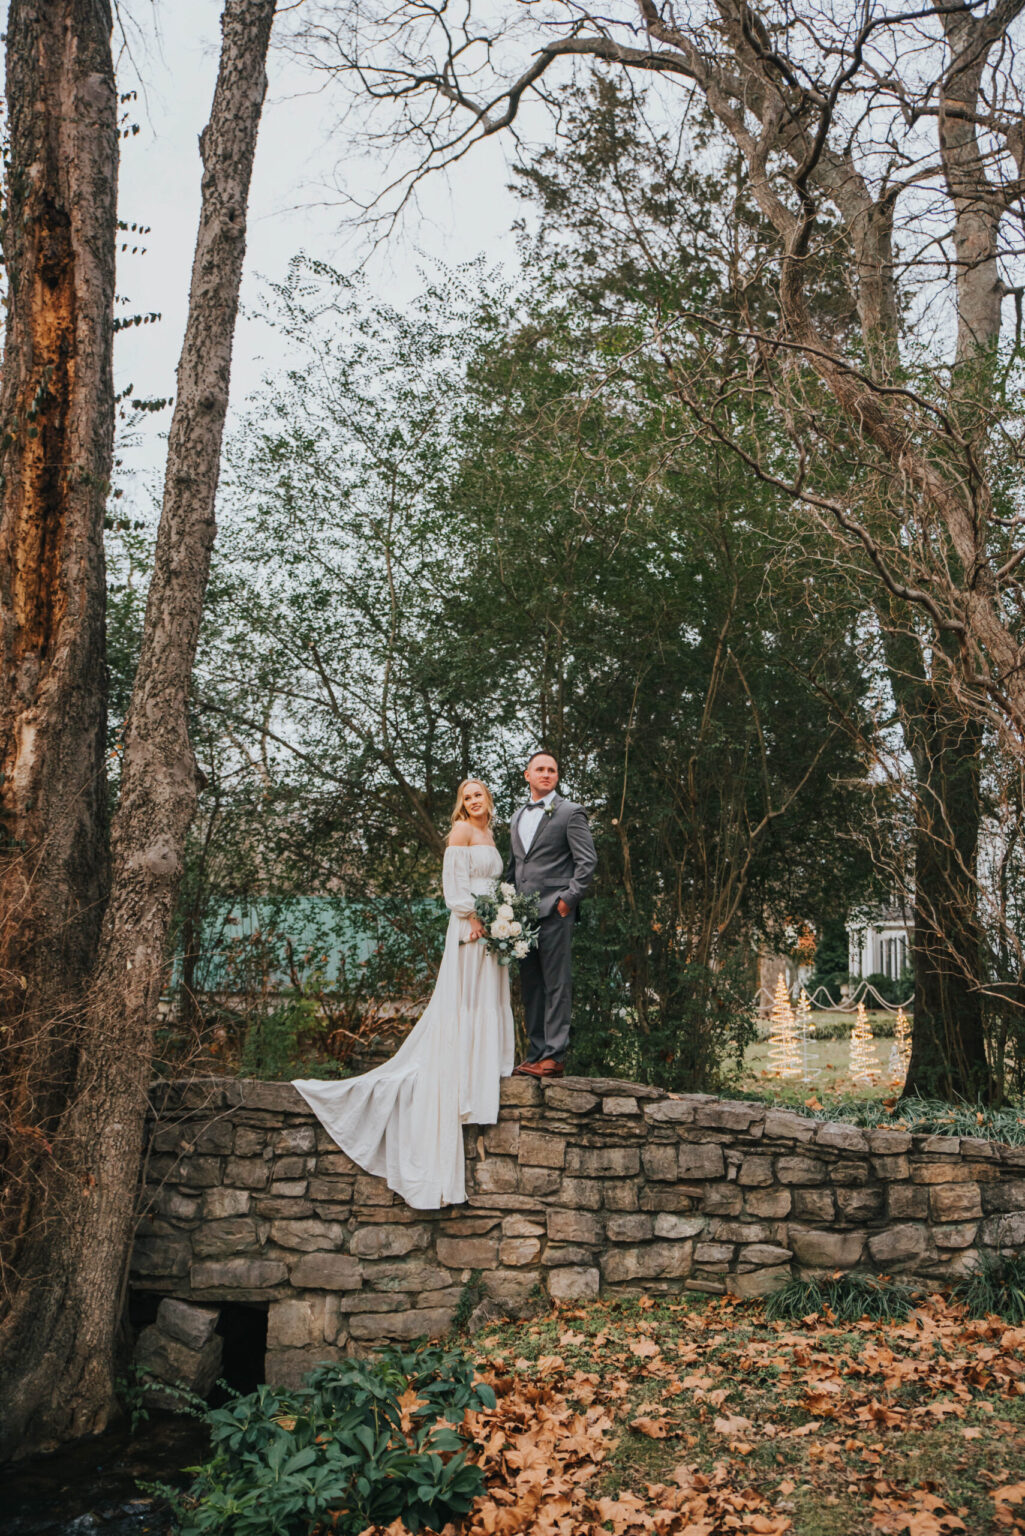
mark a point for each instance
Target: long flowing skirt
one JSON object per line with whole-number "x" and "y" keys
{"x": 403, "y": 1121}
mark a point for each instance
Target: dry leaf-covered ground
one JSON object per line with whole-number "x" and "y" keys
{"x": 698, "y": 1418}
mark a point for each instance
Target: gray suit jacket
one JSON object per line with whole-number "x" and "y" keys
{"x": 561, "y": 860}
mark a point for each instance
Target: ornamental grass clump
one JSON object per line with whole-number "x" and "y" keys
{"x": 360, "y": 1443}
{"x": 996, "y": 1288}
{"x": 840, "y": 1299}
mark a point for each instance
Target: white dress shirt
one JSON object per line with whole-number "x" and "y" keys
{"x": 530, "y": 820}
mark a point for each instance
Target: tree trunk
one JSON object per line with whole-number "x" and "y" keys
{"x": 60, "y": 1382}
{"x": 948, "y": 1055}
{"x": 56, "y": 442}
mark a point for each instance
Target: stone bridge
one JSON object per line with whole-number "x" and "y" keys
{"x": 584, "y": 1186}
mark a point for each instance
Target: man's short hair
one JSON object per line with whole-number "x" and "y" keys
{"x": 543, "y": 752}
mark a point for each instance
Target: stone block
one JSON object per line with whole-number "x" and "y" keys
{"x": 768, "y": 1202}
{"x": 570, "y": 1100}
{"x": 473, "y": 1226}
{"x": 568, "y": 1226}
{"x": 722, "y": 1200}
{"x": 746, "y": 1118}
{"x": 307, "y": 1236}
{"x": 841, "y": 1138}
{"x": 705, "y": 1286}
{"x": 246, "y": 1275}
{"x": 849, "y": 1172}
{"x": 279, "y": 1097}
{"x": 672, "y": 1197}
{"x": 755, "y": 1171}
{"x": 168, "y": 1257}
{"x": 431, "y": 1321}
{"x": 517, "y": 1251}
{"x": 786, "y": 1125}
{"x": 825, "y": 1250}
{"x": 201, "y": 1172}
{"x": 603, "y": 1162}
{"x": 274, "y": 1209}
{"x": 574, "y": 1283}
{"x": 249, "y": 1141}
{"x": 333, "y": 1163}
{"x": 297, "y": 1322}
{"x": 449, "y": 1296}
{"x": 512, "y": 1287}
{"x": 758, "y": 1282}
{"x": 1007, "y": 1231}
{"x": 218, "y": 1203}
{"x": 700, "y": 1160}
{"x": 295, "y": 1139}
{"x": 191, "y": 1325}
{"x": 620, "y": 1195}
{"x": 159, "y": 1355}
{"x": 468, "y": 1252}
{"x": 541, "y": 1151}
{"x": 801, "y": 1170}
{"x": 616, "y": 1085}
{"x": 959, "y": 1235}
{"x": 1008, "y": 1195}
{"x": 954, "y": 1202}
{"x": 886, "y": 1142}
{"x": 348, "y": 1303}
{"x": 540, "y": 1181}
{"x": 335, "y": 1190}
{"x": 566, "y": 1253}
{"x": 246, "y": 1172}
{"x": 670, "y": 1112}
{"x": 287, "y": 1189}
{"x": 678, "y": 1227}
{"x": 215, "y": 1136}
{"x": 176, "y": 1206}
{"x": 618, "y": 1104}
{"x": 941, "y": 1173}
{"x": 660, "y": 1161}
{"x": 902, "y": 1244}
{"x": 221, "y": 1239}
{"x": 289, "y": 1168}
{"x": 859, "y": 1204}
{"x": 407, "y": 1274}
{"x": 764, "y": 1254}
{"x": 288, "y": 1368}
{"x": 629, "y": 1228}
{"x": 496, "y": 1175}
{"x": 891, "y": 1167}
{"x": 740, "y": 1232}
{"x": 907, "y": 1201}
{"x": 371, "y": 1191}
{"x": 521, "y": 1092}
{"x": 388, "y": 1242}
{"x": 651, "y": 1261}
{"x": 716, "y": 1254}
{"x": 503, "y": 1138}
{"x": 522, "y": 1226}
{"x": 327, "y": 1272}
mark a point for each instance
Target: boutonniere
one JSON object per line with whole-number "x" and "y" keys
{"x": 549, "y": 811}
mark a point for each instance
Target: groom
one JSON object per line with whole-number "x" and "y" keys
{"x": 552, "y": 854}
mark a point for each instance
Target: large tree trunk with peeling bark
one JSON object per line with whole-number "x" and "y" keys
{"x": 56, "y": 441}
{"x": 57, "y": 1345}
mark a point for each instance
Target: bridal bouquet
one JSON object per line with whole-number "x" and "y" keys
{"x": 510, "y": 919}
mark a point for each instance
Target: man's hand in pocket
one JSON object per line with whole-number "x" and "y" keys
{"x": 562, "y": 908}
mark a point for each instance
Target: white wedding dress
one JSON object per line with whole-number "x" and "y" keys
{"x": 403, "y": 1121}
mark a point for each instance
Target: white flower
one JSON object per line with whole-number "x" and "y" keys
{"x": 505, "y": 911}
{"x": 515, "y": 928}
{"x": 521, "y": 950}
{"x": 507, "y": 889}
{"x": 500, "y": 928}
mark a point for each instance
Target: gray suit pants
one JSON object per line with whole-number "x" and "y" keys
{"x": 546, "y": 985}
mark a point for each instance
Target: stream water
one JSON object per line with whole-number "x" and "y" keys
{"x": 91, "y": 1488}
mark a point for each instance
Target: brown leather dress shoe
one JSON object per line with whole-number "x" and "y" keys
{"x": 549, "y": 1068}
{"x": 525, "y": 1069}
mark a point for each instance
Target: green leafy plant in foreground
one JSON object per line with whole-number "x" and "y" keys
{"x": 997, "y": 1286}
{"x": 841, "y": 1299}
{"x": 361, "y": 1442}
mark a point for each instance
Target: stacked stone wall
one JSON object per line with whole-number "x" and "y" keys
{"x": 583, "y": 1186}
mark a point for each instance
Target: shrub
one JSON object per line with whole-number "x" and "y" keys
{"x": 997, "y": 1286}
{"x": 841, "y": 1299}
{"x": 360, "y": 1443}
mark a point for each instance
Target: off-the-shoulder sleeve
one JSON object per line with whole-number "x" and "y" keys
{"x": 455, "y": 874}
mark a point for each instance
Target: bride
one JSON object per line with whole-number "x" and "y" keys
{"x": 403, "y": 1121}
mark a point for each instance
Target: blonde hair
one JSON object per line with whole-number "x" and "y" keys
{"x": 459, "y": 811}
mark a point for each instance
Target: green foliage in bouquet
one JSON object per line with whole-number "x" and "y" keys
{"x": 360, "y": 1443}
{"x": 511, "y": 922}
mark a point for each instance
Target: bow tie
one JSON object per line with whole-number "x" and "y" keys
{"x": 535, "y": 805}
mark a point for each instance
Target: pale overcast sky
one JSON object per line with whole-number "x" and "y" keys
{"x": 289, "y": 212}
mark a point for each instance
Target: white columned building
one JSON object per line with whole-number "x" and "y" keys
{"x": 878, "y": 942}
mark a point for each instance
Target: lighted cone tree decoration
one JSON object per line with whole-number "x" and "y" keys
{"x": 864, "y": 1062}
{"x": 900, "y": 1052}
{"x": 805, "y": 1029}
{"x": 784, "y": 1058}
